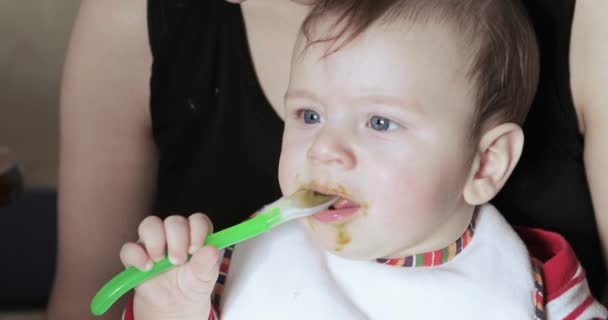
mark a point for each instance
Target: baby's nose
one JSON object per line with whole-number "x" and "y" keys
{"x": 332, "y": 148}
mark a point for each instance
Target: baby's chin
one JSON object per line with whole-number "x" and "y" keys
{"x": 355, "y": 253}
{"x": 347, "y": 250}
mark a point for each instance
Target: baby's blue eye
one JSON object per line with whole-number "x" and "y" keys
{"x": 382, "y": 124}
{"x": 310, "y": 116}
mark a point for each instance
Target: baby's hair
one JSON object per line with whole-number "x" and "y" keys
{"x": 505, "y": 58}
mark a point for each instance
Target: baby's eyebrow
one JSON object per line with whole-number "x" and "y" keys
{"x": 300, "y": 94}
{"x": 391, "y": 100}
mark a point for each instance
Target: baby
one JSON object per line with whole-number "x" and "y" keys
{"x": 410, "y": 112}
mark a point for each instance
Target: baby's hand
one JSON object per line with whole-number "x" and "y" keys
{"x": 184, "y": 291}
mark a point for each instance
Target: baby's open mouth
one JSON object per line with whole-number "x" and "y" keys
{"x": 343, "y": 203}
{"x": 341, "y": 211}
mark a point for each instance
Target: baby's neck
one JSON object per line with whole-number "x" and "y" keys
{"x": 444, "y": 235}
{"x": 436, "y": 257}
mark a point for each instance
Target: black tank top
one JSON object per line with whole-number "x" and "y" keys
{"x": 219, "y": 138}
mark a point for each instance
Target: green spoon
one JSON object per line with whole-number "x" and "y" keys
{"x": 300, "y": 204}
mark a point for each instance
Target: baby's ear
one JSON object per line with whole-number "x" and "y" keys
{"x": 497, "y": 154}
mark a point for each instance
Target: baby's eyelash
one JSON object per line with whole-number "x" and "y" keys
{"x": 308, "y": 115}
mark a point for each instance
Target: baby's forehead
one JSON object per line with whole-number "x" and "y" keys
{"x": 421, "y": 64}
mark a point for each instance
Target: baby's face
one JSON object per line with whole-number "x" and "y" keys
{"x": 384, "y": 123}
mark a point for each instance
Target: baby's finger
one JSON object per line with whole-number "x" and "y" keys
{"x": 177, "y": 231}
{"x": 152, "y": 235}
{"x": 204, "y": 269}
{"x": 200, "y": 227}
{"x": 134, "y": 254}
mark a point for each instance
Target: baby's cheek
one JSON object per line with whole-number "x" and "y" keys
{"x": 289, "y": 174}
{"x": 409, "y": 200}
{"x": 285, "y": 182}
{"x": 284, "y": 173}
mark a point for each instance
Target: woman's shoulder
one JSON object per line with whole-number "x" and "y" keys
{"x": 108, "y": 38}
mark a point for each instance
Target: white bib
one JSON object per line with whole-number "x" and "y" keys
{"x": 284, "y": 275}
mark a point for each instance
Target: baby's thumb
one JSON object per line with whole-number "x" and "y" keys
{"x": 203, "y": 269}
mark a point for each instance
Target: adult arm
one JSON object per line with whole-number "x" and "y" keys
{"x": 589, "y": 76}
{"x": 107, "y": 155}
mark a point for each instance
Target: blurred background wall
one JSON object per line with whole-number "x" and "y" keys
{"x": 33, "y": 39}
